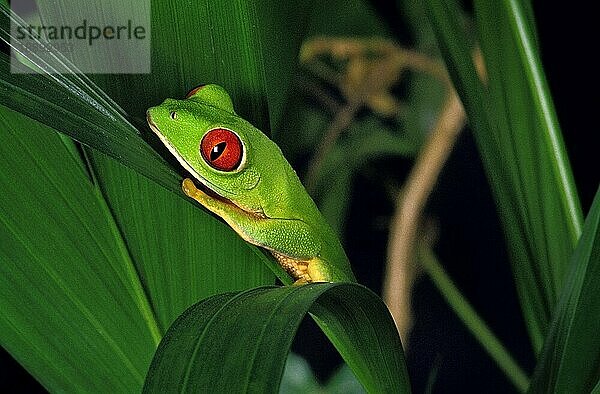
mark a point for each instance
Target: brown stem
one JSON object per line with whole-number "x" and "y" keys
{"x": 395, "y": 59}
{"x": 341, "y": 121}
{"x": 321, "y": 95}
{"x": 400, "y": 270}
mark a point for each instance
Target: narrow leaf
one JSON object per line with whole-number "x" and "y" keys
{"x": 522, "y": 153}
{"x": 54, "y": 105}
{"x": 522, "y": 28}
{"x": 72, "y": 104}
{"x": 533, "y": 153}
{"x": 570, "y": 361}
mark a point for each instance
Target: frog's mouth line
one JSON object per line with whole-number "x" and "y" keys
{"x": 211, "y": 193}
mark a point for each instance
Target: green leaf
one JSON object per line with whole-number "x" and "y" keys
{"x": 515, "y": 128}
{"x": 205, "y": 347}
{"x": 82, "y": 116}
{"x": 545, "y": 181}
{"x": 177, "y": 247}
{"x": 72, "y": 308}
{"x": 174, "y": 248}
{"x": 137, "y": 218}
{"x": 570, "y": 361}
{"x": 520, "y": 17}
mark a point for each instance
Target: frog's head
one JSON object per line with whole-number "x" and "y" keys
{"x": 222, "y": 151}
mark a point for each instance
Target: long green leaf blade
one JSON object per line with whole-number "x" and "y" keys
{"x": 453, "y": 43}
{"x": 53, "y": 105}
{"x": 205, "y": 349}
{"x": 570, "y": 361}
{"x": 521, "y": 150}
{"x": 532, "y": 148}
{"x": 523, "y": 33}
{"x": 72, "y": 309}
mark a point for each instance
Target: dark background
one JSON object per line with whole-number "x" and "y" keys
{"x": 471, "y": 244}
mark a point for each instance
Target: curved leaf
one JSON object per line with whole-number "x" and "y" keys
{"x": 238, "y": 342}
{"x": 570, "y": 361}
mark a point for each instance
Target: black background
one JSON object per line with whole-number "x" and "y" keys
{"x": 471, "y": 243}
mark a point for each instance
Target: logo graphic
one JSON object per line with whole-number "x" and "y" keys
{"x": 87, "y": 36}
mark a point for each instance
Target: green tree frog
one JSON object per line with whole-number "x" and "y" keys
{"x": 239, "y": 174}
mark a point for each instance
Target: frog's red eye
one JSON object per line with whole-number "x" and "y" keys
{"x": 222, "y": 149}
{"x": 194, "y": 91}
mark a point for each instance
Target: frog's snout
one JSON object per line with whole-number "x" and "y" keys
{"x": 149, "y": 119}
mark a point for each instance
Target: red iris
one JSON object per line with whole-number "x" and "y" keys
{"x": 221, "y": 149}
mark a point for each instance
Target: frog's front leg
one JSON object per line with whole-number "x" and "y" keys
{"x": 291, "y": 241}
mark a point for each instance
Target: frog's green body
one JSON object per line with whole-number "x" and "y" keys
{"x": 258, "y": 193}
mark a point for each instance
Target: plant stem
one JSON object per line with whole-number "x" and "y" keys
{"x": 406, "y": 220}
{"x": 471, "y": 319}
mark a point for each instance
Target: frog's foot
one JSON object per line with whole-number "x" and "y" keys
{"x": 212, "y": 201}
{"x": 298, "y": 269}
{"x": 306, "y": 280}
{"x": 303, "y": 271}
{"x": 202, "y": 195}
{"x": 300, "y": 282}
{"x": 189, "y": 188}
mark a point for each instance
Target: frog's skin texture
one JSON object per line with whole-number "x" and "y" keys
{"x": 239, "y": 174}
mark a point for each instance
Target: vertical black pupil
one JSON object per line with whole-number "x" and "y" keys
{"x": 217, "y": 150}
